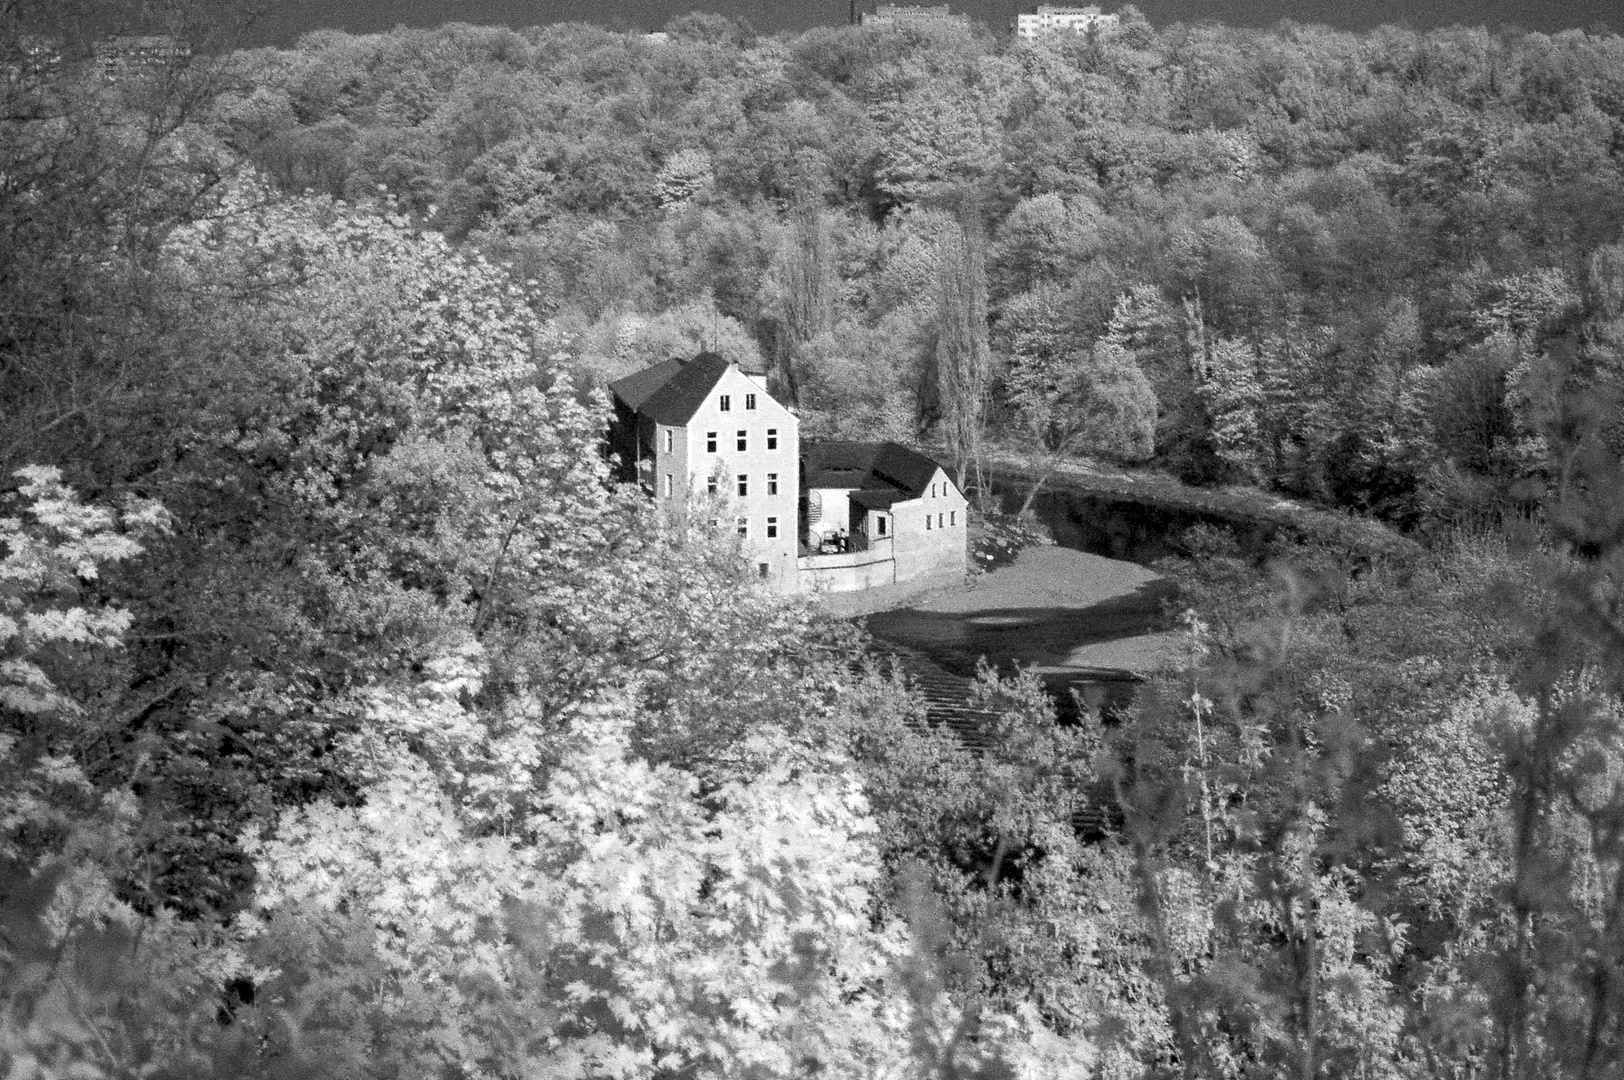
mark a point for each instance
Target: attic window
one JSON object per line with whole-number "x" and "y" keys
{"x": 727, "y": 403}
{"x": 749, "y": 401}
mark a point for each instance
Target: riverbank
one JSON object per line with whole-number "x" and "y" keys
{"x": 1241, "y": 505}
{"x": 1035, "y": 599}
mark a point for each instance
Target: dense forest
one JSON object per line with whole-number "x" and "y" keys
{"x": 354, "y": 723}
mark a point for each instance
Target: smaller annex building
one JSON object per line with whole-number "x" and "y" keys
{"x": 877, "y": 513}
{"x": 832, "y": 516}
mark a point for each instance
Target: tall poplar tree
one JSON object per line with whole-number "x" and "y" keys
{"x": 962, "y": 359}
{"x": 806, "y": 286}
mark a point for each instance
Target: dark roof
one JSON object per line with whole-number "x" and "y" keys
{"x": 879, "y": 498}
{"x": 639, "y": 386}
{"x": 670, "y": 393}
{"x": 874, "y": 468}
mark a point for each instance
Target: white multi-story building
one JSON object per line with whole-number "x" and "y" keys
{"x": 703, "y": 428}
{"x": 125, "y": 56}
{"x": 898, "y": 14}
{"x": 1051, "y": 19}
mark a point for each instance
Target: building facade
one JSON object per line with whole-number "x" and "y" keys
{"x": 894, "y": 515}
{"x": 701, "y": 434}
{"x": 901, "y": 14}
{"x": 1052, "y": 19}
{"x": 705, "y": 438}
{"x": 127, "y": 56}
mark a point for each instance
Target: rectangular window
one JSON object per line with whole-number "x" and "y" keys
{"x": 749, "y": 401}
{"x": 667, "y": 491}
{"x": 879, "y": 525}
{"x": 710, "y": 485}
{"x": 772, "y": 438}
{"x": 952, "y": 517}
{"x": 927, "y": 523}
{"x": 744, "y": 526}
{"x": 744, "y": 441}
{"x": 772, "y": 483}
{"x": 763, "y": 570}
{"x": 744, "y": 485}
{"x": 710, "y": 442}
{"x": 727, "y": 403}
{"x": 938, "y": 521}
{"x": 772, "y": 528}
{"x": 668, "y": 440}
{"x": 933, "y": 491}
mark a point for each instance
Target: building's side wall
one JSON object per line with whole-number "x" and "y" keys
{"x": 673, "y": 462}
{"x": 866, "y": 523}
{"x": 834, "y": 513}
{"x": 939, "y": 548}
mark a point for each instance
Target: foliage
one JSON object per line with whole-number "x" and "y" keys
{"x": 401, "y": 742}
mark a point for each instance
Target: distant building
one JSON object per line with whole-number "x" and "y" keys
{"x": 34, "y": 56}
{"x": 902, "y": 14}
{"x": 128, "y": 56}
{"x": 1051, "y": 19}
{"x": 701, "y": 433}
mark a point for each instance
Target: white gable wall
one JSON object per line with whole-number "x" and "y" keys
{"x": 755, "y": 462}
{"x": 942, "y": 547}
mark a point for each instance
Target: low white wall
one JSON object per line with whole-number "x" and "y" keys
{"x": 846, "y": 573}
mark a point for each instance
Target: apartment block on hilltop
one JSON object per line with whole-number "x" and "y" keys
{"x": 32, "y": 56}
{"x": 830, "y": 516}
{"x": 126, "y": 56}
{"x": 901, "y": 14}
{"x": 1052, "y": 19}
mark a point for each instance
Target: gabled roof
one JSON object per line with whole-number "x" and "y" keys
{"x": 671, "y": 392}
{"x": 639, "y": 386}
{"x": 877, "y": 470}
{"x": 879, "y": 498}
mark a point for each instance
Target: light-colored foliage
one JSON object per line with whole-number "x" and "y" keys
{"x": 621, "y": 923}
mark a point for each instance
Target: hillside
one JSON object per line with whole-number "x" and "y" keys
{"x": 356, "y": 723}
